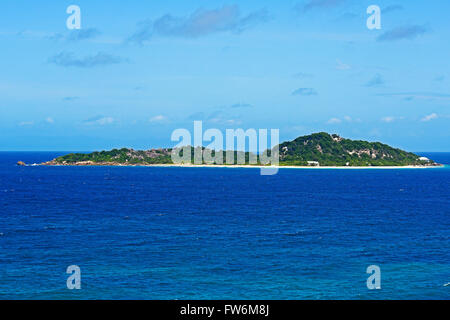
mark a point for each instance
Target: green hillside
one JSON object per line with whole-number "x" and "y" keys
{"x": 332, "y": 150}
{"x": 316, "y": 149}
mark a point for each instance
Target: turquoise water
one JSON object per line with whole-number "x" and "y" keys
{"x": 219, "y": 233}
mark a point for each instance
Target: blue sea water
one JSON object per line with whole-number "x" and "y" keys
{"x": 220, "y": 233}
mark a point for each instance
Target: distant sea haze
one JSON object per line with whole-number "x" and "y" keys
{"x": 200, "y": 233}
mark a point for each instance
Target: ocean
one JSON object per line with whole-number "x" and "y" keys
{"x": 222, "y": 233}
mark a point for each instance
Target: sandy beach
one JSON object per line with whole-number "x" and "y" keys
{"x": 240, "y": 166}
{"x": 294, "y": 167}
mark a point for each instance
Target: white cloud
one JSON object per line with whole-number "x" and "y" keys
{"x": 106, "y": 120}
{"x": 430, "y": 117}
{"x": 158, "y": 118}
{"x": 345, "y": 118}
{"x": 233, "y": 122}
{"x": 99, "y": 120}
{"x": 26, "y": 123}
{"x": 199, "y": 23}
{"x": 334, "y": 121}
{"x": 388, "y": 119}
{"x": 49, "y": 120}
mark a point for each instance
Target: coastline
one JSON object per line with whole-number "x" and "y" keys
{"x": 107, "y": 164}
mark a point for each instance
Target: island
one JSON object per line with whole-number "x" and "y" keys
{"x": 315, "y": 150}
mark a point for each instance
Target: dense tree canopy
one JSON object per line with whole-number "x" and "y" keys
{"x": 326, "y": 149}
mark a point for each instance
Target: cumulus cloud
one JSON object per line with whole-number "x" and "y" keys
{"x": 344, "y": 119}
{"x": 158, "y": 118}
{"x": 334, "y": 121}
{"x": 305, "y": 92}
{"x": 401, "y": 33}
{"x": 222, "y": 118}
{"x": 348, "y": 119}
{"x": 217, "y": 117}
{"x": 26, "y": 123}
{"x": 68, "y": 59}
{"x": 429, "y": 117}
{"x": 200, "y": 23}
{"x": 388, "y": 119}
{"x": 99, "y": 120}
{"x": 376, "y": 81}
{"x": 251, "y": 20}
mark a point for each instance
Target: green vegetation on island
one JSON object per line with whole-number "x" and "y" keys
{"x": 319, "y": 149}
{"x": 332, "y": 150}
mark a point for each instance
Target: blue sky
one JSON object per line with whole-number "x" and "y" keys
{"x": 137, "y": 70}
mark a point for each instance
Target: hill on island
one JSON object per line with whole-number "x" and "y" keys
{"x": 318, "y": 149}
{"x": 333, "y": 150}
